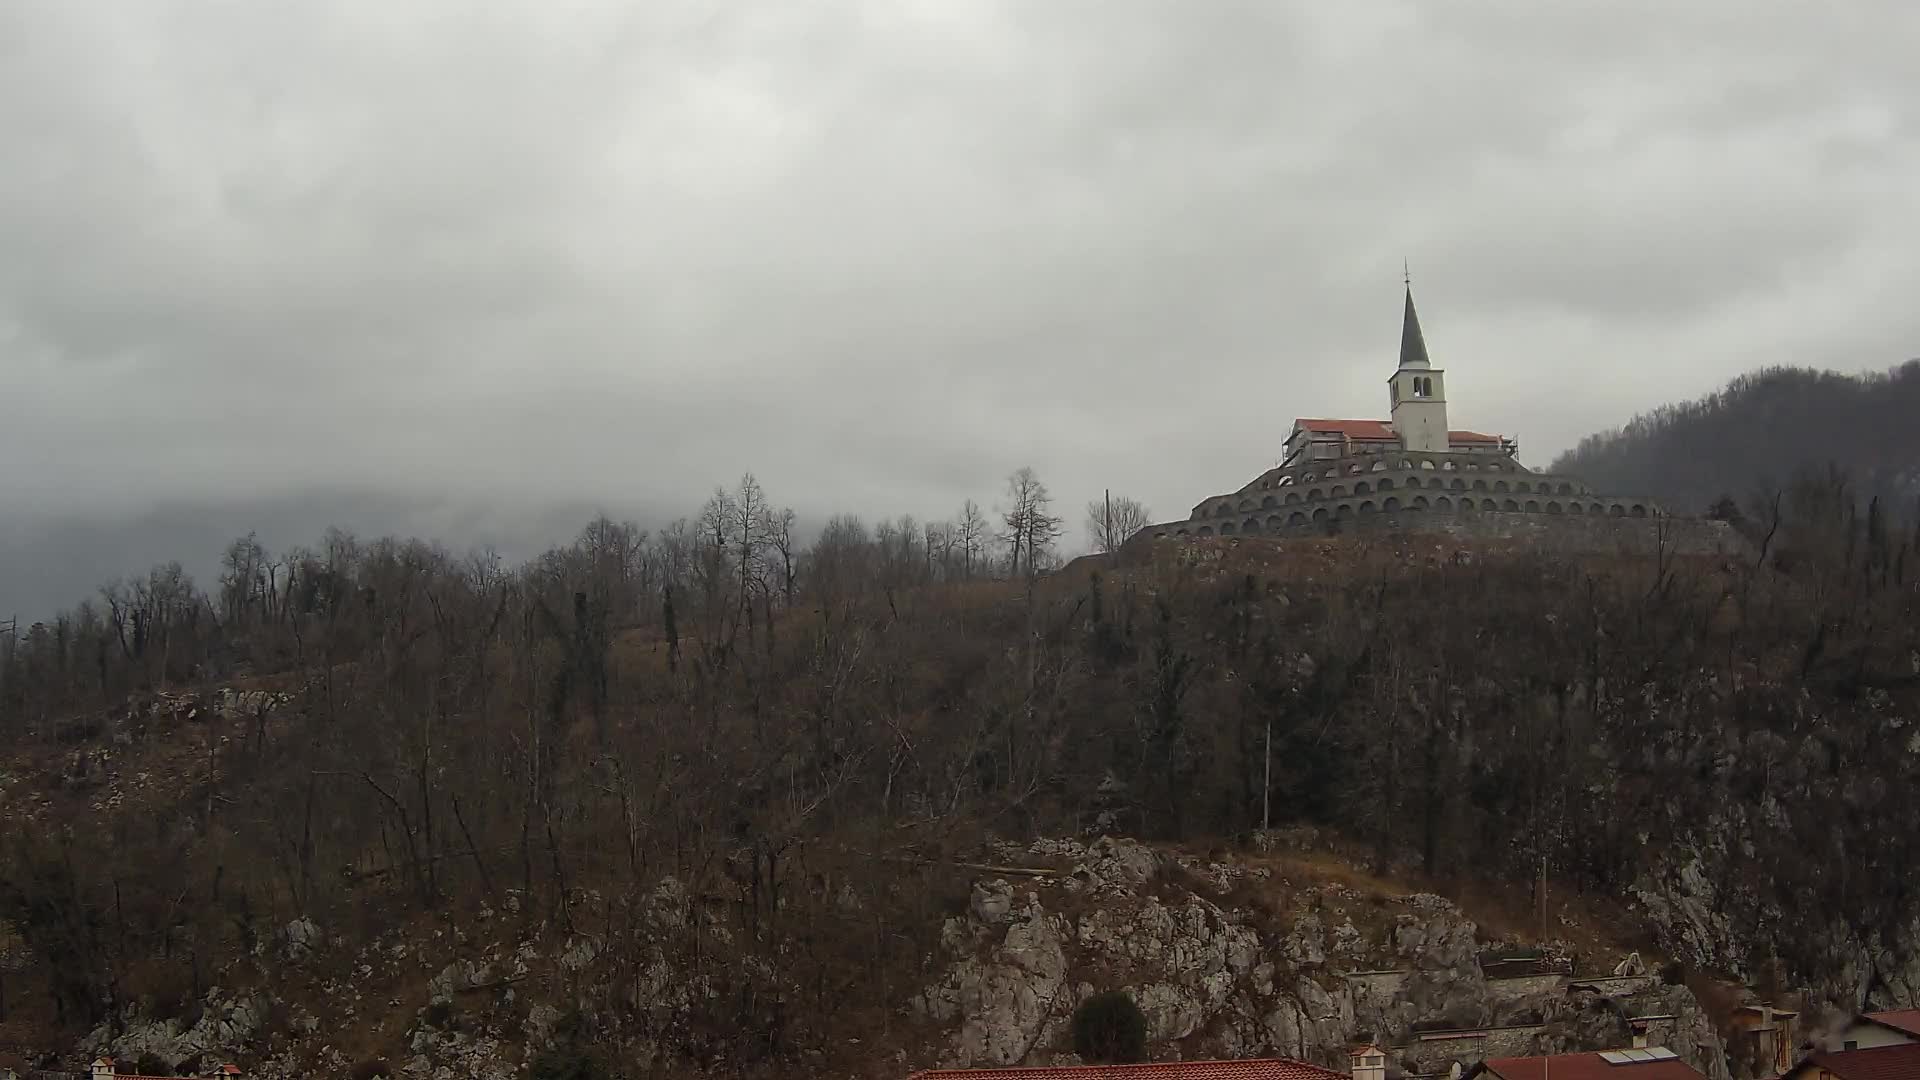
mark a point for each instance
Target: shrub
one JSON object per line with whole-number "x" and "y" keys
{"x": 152, "y": 1064}
{"x": 1109, "y": 1029}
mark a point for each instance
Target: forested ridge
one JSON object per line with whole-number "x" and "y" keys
{"x": 1749, "y": 439}
{"x": 776, "y": 727}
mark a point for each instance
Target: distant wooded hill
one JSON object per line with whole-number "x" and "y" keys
{"x": 1761, "y": 430}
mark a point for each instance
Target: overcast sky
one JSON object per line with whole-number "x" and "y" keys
{"x": 880, "y": 252}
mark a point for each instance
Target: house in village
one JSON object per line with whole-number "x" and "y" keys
{"x": 1762, "y": 1036}
{"x": 1894, "y": 1061}
{"x": 1896, "y": 1027}
{"x": 1649, "y": 1063}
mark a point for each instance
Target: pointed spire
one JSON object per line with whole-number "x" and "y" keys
{"x": 1413, "y": 344}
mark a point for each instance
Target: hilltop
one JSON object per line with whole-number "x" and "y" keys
{"x": 408, "y": 806}
{"x": 1749, "y": 440}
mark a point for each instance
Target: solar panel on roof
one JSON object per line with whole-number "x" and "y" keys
{"x": 1615, "y": 1057}
{"x": 1661, "y": 1053}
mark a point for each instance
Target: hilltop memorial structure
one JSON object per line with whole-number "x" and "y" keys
{"x": 1415, "y": 472}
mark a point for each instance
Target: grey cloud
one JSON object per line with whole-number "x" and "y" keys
{"x": 883, "y": 252}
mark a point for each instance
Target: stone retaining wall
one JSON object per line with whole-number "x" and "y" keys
{"x": 1589, "y": 534}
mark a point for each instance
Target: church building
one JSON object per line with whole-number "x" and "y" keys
{"x": 1412, "y": 470}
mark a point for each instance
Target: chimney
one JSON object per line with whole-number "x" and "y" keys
{"x": 1369, "y": 1063}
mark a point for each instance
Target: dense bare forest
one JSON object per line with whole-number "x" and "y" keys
{"x": 1758, "y": 431}
{"x": 407, "y": 734}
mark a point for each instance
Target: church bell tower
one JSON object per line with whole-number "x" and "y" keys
{"x": 1419, "y": 391}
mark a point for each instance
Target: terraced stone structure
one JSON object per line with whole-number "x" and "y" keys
{"x": 1408, "y": 472}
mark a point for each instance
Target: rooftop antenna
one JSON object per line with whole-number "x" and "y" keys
{"x": 1406, "y": 273}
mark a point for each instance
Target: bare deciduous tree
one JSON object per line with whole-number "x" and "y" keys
{"x": 1029, "y": 529}
{"x": 1111, "y": 520}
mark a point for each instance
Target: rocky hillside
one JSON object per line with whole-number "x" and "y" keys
{"x": 418, "y": 809}
{"x": 1261, "y": 953}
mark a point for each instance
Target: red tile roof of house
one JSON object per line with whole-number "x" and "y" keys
{"x": 1252, "y": 1069}
{"x": 1900, "y": 1062}
{"x": 1589, "y": 1066}
{"x": 1471, "y": 436}
{"x": 1907, "y": 1020}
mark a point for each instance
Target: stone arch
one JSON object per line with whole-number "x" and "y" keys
{"x": 1533, "y": 506}
{"x": 1427, "y": 464}
{"x": 1449, "y": 466}
{"x": 1385, "y": 484}
{"x": 1339, "y": 490}
{"x": 1206, "y": 531}
{"x": 1443, "y": 504}
{"x": 1638, "y": 511}
{"x": 1566, "y": 489}
{"x": 1575, "y": 508}
{"x": 1343, "y": 510}
{"x": 1510, "y": 506}
{"x": 1459, "y": 484}
{"x": 1419, "y": 502}
{"x": 1180, "y": 533}
{"x": 1500, "y": 485}
{"x": 1362, "y": 488}
{"x": 1320, "y": 514}
{"x": 1269, "y": 503}
{"x": 1251, "y": 525}
{"x": 1228, "y": 528}
{"x": 1471, "y": 467}
{"x": 1391, "y": 505}
{"x": 1223, "y": 509}
{"x": 1616, "y": 510}
{"x": 1354, "y": 469}
{"x": 1489, "y": 504}
{"x": 1284, "y": 481}
{"x": 1379, "y": 465}
{"x": 1292, "y": 497}
{"x": 1553, "y": 507}
{"x": 1367, "y": 507}
{"x": 1296, "y": 518}
{"x": 1521, "y": 485}
{"x": 1246, "y": 505}
{"x": 1314, "y": 494}
{"x": 1479, "y": 485}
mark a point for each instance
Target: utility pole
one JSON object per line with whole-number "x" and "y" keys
{"x": 1543, "y": 899}
{"x": 1266, "y": 782}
